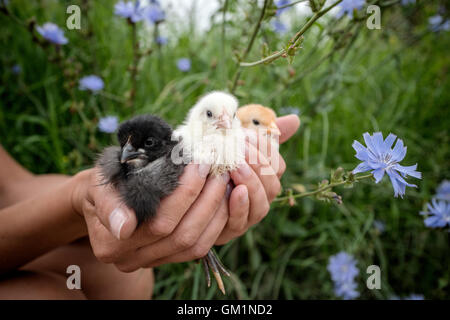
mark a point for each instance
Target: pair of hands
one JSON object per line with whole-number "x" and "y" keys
{"x": 201, "y": 212}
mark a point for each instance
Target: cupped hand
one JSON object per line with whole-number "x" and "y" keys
{"x": 197, "y": 215}
{"x": 184, "y": 228}
{"x": 257, "y": 183}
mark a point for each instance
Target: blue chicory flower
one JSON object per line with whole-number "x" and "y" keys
{"x": 108, "y": 124}
{"x": 414, "y": 296}
{"x": 123, "y": 9}
{"x": 342, "y": 267}
{"x": 380, "y": 158}
{"x": 348, "y": 6}
{"x": 154, "y": 13}
{"x": 279, "y": 27}
{"x": 184, "y": 64}
{"x": 51, "y": 32}
{"x": 92, "y": 82}
{"x": 282, "y": 3}
{"x": 129, "y": 10}
{"x": 443, "y": 191}
{"x": 346, "y": 290}
{"x": 379, "y": 226}
{"x": 437, "y": 23}
{"x": 16, "y": 69}
{"x": 438, "y": 214}
{"x": 162, "y": 40}
{"x": 406, "y": 2}
{"x": 343, "y": 270}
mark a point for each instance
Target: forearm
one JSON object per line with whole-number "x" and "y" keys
{"x": 34, "y": 226}
{"x": 10, "y": 170}
{"x": 28, "y": 187}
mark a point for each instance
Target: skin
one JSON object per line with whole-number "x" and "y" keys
{"x": 197, "y": 215}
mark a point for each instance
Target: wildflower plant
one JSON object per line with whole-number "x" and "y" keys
{"x": 108, "y": 124}
{"x": 379, "y": 158}
{"x": 437, "y": 214}
{"x": 52, "y": 33}
{"x": 348, "y": 7}
{"x": 134, "y": 12}
{"x": 443, "y": 191}
{"x": 92, "y": 83}
{"x": 184, "y": 64}
{"x": 343, "y": 271}
{"x": 262, "y": 52}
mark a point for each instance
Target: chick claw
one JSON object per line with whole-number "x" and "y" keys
{"x": 212, "y": 261}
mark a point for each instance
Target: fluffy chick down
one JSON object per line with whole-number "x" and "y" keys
{"x": 212, "y": 133}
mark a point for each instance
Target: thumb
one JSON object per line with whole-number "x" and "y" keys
{"x": 120, "y": 220}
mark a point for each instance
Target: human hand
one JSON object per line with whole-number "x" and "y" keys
{"x": 257, "y": 184}
{"x": 185, "y": 227}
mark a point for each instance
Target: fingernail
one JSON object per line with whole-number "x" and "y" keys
{"x": 251, "y": 135}
{"x": 244, "y": 197}
{"x": 117, "y": 218}
{"x": 203, "y": 170}
{"x": 225, "y": 177}
{"x": 229, "y": 189}
{"x": 244, "y": 170}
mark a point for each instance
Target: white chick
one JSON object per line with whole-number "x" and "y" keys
{"x": 212, "y": 134}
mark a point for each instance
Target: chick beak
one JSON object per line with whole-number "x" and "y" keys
{"x": 128, "y": 152}
{"x": 273, "y": 129}
{"x": 224, "y": 121}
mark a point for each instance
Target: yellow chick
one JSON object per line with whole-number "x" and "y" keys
{"x": 256, "y": 116}
{"x": 261, "y": 120}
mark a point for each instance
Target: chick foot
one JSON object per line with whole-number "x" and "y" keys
{"x": 211, "y": 261}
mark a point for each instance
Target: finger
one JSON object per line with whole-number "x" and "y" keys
{"x": 288, "y": 125}
{"x": 111, "y": 211}
{"x": 204, "y": 243}
{"x": 191, "y": 227}
{"x": 172, "y": 208}
{"x": 264, "y": 171}
{"x": 281, "y": 167}
{"x": 239, "y": 209}
{"x": 105, "y": 246}
{"x": 259, "y": 205}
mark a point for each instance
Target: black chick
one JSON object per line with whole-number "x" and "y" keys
{"x": 143, "y": 172}
{"x": 141, "y": 169}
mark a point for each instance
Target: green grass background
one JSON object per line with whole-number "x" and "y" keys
{"x": 390, "y": 80}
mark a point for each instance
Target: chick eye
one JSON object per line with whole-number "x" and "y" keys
{"x": 255, "y": 122}
{"x": 150, "y": 142}
{"x": 209, "y": 113}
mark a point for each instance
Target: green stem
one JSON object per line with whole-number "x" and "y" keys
{"x": 297, "y": 36}
{"x": 157, "y": 45}
{"x": 6, "y": 11}
{"x": 134, "y": 65}
{"x": 389, "y": 3}
{"x": 111, "y": 96}
{"x": 249, "y": 46}
{"x": 290, "y": 4}
{"x": 223, "y": 35}
{"x": 256, "y": 30}
{"x": 324, "y": 188}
